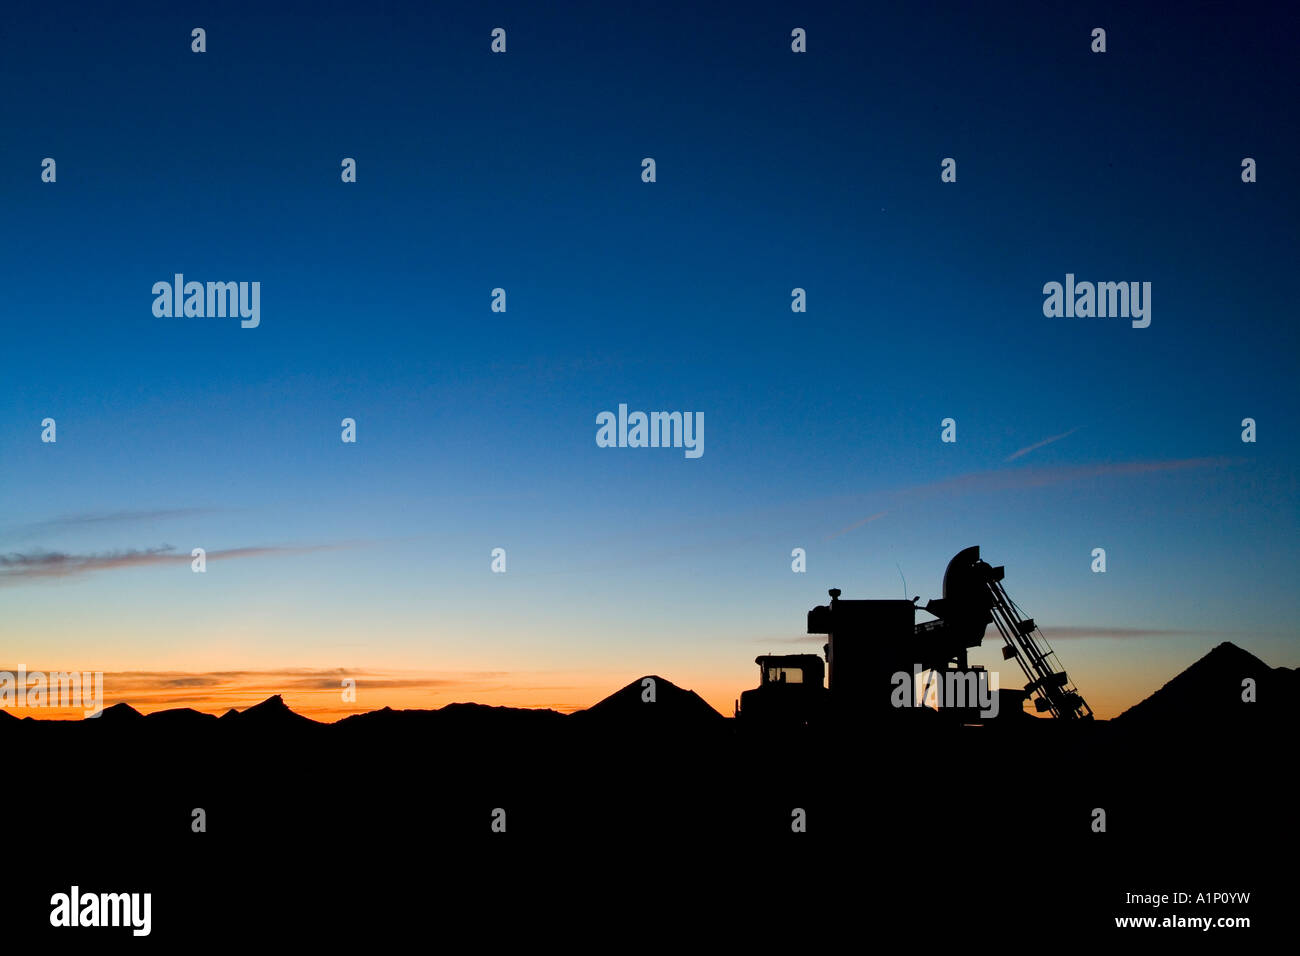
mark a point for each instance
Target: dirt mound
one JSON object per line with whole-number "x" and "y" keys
{"x": 1211, "y": 692}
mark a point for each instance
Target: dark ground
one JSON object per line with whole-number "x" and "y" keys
{"x": 669, "y": 829}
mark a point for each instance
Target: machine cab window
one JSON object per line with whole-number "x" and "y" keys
{"x": 778, "y": 674}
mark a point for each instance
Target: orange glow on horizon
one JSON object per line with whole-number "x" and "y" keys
{"x": 321, "y": 697}
{"x": 319, "y": 694}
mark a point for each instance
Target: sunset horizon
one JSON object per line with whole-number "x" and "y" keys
{"x": 316, "y": 692}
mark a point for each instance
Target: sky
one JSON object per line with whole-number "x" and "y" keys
{"x": 477, "y": 429}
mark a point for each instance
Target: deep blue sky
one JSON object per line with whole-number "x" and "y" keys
{"x": 477, "y": 429}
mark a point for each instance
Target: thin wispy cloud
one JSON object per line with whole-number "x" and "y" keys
{"x": 855, "y": 526}
{"x": 1051, "y": 632}
{"x": 1019, "y": 479}
{"x": 53, "y": 564}
{"x": 1037, "y": 445}
{"x": 1072, "y": 631}
{"x": 17, "y": 567}
{"x": 278, "y": 675}
{"x": 72, "y": 522}
{"x": 1025, "y": 477}
{"x": 160, "y": 685}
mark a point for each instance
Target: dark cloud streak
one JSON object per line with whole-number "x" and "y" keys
{"x": 18, "y": 567}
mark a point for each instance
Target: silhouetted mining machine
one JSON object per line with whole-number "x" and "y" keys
{"x": 871, "y": 642}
